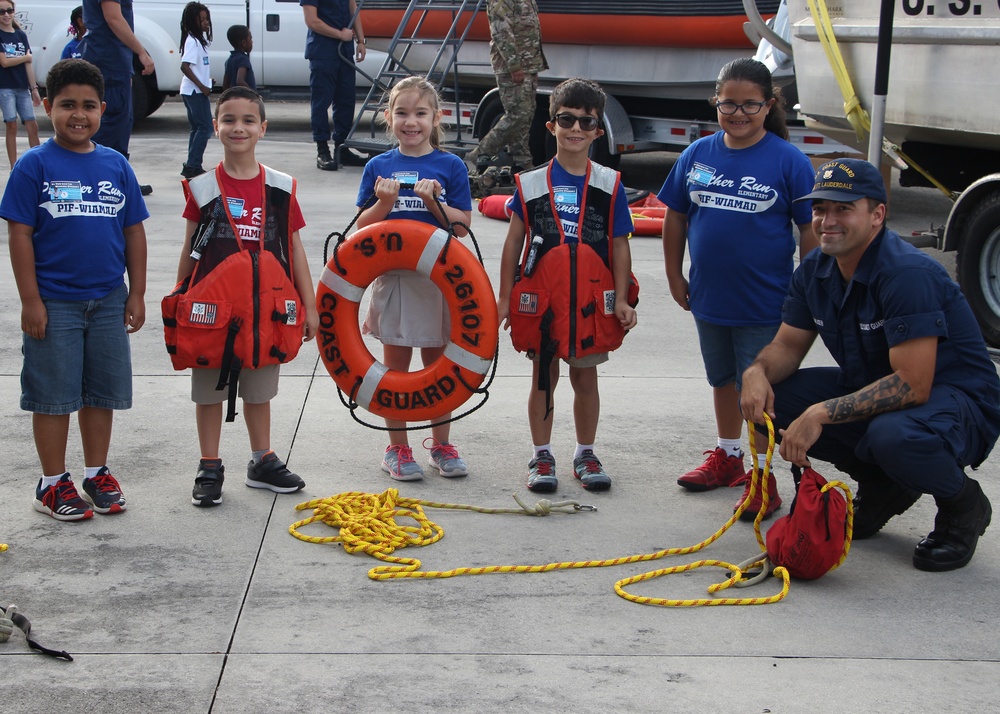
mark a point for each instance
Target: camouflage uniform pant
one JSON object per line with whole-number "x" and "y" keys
{"x": 515, "y": 125}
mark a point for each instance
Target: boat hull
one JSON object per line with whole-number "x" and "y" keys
{"x": 936, "y": 93}
{"x": 655, "y": 49}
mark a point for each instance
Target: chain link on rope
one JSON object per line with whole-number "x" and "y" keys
{"x": 349, "y": 402}
{"x": 367, "y": 523}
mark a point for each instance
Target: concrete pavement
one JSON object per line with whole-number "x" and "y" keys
{"x": 171, "y": 608}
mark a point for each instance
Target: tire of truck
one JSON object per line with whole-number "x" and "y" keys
{"x": 146, "y": 95}
{"x": 978, "y": 265}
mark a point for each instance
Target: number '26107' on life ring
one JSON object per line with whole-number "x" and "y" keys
{"x": 449, "y": 381}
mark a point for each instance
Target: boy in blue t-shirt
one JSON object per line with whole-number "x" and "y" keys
{"x": 239, "y": 71}
{"x": 74, "y": 216}
{"x": 570, "y": 202}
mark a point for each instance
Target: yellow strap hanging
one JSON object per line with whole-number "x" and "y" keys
{"x": 855, "y": 113}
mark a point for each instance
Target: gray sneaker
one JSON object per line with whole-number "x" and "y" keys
{"x": 398, "y": 462}
{"x": 588, "y": 469}
{"x": 542, "y": 473}
{"x": 272, "y": 474}
{"x": 444, "y": 457}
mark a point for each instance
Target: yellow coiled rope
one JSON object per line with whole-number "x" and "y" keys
{"x": 368, "y": 523}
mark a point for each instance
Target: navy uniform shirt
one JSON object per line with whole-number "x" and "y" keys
{"x": 897, "y": 294}
{"x": 336, "y": 14}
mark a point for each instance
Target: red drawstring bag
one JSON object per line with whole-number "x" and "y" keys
{"x": 811, "y": 540}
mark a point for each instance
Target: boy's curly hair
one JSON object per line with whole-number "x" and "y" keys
{"x": 73, "y": 71}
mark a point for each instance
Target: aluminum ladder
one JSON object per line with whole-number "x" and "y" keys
{"x": 367, "y": 134}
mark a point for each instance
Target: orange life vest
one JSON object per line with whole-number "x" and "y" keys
{"x": 566, "y": 306}
{"x": 238, "y": 308}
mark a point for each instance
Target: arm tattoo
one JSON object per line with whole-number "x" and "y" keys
{"x": 887, "y": 394}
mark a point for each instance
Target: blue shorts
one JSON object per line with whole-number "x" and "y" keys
{"x": 16, "y": 103}
{"x": 84, "y": 359}
{"x": 728, "y": 351}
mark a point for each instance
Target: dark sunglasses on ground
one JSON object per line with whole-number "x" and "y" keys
{"x": 567, "y": 120}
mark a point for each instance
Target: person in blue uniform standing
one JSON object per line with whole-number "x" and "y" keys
{"x": 914, "y": 398}
{"x": 331, "y": 53}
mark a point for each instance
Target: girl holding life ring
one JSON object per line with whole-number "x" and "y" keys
{"x": 406, "y": 310}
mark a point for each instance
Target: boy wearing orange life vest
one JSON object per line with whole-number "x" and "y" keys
{"x": 243, "y": 224}
{"x": 571, "y": 223}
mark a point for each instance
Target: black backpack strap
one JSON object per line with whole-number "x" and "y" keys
{"x": 22, "y": 623}
{"x": 547, "y": 348}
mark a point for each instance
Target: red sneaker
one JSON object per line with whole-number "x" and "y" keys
{"x": 718, "y": 470}
{"x": 773, "y": 499}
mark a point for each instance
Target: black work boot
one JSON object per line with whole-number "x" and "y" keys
{"x": 324, "y": 160}
{"x": 959, "y": 522}
{"x": 879, "y": 499}
{"x": 348, "y": 157}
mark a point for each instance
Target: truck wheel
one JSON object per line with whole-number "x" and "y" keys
{"x": 146, "y": 97}
{"x": 979, "y": 265}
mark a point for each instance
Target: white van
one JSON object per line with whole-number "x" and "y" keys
{"x": 279, "y": 40}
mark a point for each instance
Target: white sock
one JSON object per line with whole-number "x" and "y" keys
{"x": 52, "y": 480}
{"x": 90, "y": 471}
{"x": 580, "y": 448}
{"x": 542, "y": 447}
{"x": 731, "y": 447}
{"x": 257, "y": 456}
{"x": 761, "y": 461}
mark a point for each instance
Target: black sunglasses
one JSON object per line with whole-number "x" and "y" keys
{"x": 8, "y": 11}
{"x": 567, "y": 120}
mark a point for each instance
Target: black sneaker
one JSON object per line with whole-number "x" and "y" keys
{"x": 326, "y": 162}
{"x": 103, "y": 492}
{"x": 272, "y": 473}
{"x": 61, "y": 501}
{"x": 207, "y": 490}
{"x": 349, "y": 157}
{"x": 191, "y": 171}
{"x": 145, "y": 189}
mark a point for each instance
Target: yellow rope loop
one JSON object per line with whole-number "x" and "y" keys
{"x": 697, "y": 602}
{"x": 367, "y": 522}
{"x": 759, "y": 479}
{"x": 849, "y": 532}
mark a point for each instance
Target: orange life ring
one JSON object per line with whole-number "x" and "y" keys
{"x": 450, "y": 380}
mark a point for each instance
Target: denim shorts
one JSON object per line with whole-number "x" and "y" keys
{"x": 84, "y": 360}
{"x": 728, "y": 351}
{"x": 16, "y": 103}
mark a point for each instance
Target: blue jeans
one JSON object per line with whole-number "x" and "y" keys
{"x": 16, "y": 103}
{"x": 84, "y": 360}
{"x": 199, "y": 111}
{"x": 728, "y": 351}
{"x": 332, "y": 82}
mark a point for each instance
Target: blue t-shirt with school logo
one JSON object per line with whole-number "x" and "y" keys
{"x": 740, "y": 214}
{"x": 447, "y": 169}
{"x": 78, "y": 206}
{"x": 14, "y": 44}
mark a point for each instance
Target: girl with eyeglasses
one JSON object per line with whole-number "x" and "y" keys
{"x": 729, "y": 199}
{"x": 18, "y": 89}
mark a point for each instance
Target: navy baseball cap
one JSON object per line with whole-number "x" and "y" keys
{"x": 847, "y": 180}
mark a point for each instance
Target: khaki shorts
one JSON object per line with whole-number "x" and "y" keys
{"x": 256, "y": 386}
{"x": 581, "y": 362}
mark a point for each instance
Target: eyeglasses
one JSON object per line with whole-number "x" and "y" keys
{"x": 749, "y": 108}
{"x": 8, "y": 11}
{"x": 567, "y": 120}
